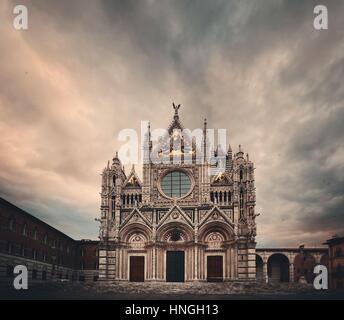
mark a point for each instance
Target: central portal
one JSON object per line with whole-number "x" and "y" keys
{"x": 175, "y": 266}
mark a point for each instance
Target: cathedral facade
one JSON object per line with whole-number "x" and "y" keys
{"x": 183, "y": 221}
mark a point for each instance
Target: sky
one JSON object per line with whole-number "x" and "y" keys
{"x": 84, "y": 70}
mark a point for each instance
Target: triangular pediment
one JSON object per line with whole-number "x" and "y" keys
{"x": 215, "y": 214}
{"x": 175, "y": 214}
{"x": 133, "y": 181}
{"x": 136, "y": 217}
{"x": 221, "y": 179}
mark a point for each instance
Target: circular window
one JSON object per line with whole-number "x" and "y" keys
{"x": 176, "y": 184}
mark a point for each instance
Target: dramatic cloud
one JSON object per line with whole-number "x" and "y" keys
{"x": 84, "y": 71}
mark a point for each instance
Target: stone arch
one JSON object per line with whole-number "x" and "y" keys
{"x": 278, "y": 267}
{"x": 216, "y": 226}
{"x": 259, "y": 267}
{"x": 165, "y": 232}
{"x": 127, "y": 232}
{"x": 304, "y": 264}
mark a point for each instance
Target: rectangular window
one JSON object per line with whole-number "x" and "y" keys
{"x": 9, "y": 247}
{"x": 9, "y": 271}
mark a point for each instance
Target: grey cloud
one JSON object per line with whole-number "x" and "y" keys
{"x": 256, "y": 68}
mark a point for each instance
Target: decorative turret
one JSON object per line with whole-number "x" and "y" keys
{"x": 115, "y": 161}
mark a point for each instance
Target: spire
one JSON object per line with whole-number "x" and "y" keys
{"x": 205, "y": 140}
{"x": 116, "y": 160}
{"x": 240, "y": 153}
{"x": 147, "y": 144}
{"x": 229, "y": 158}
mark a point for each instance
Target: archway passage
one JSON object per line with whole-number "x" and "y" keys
{"x": 278, "y": 268}
{"x": 137, "y": 269}
{"x": 175, "y": 266}
{"x": 214, "y": 268}
{"x": 259, "y": 268}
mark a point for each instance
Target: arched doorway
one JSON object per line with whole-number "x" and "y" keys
{"x": 304, "y": 264}
{"x": 137, "y": 242}
{"x": 259, "y": 268}
{"x": 278, "y": 268}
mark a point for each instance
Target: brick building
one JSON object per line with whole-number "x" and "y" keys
{"x": 47, "y": 252}
{"x": 336, "y": 262}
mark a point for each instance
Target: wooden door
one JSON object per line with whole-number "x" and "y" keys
{"x": 214, "y": 268}
{"x": 137, "y": 269}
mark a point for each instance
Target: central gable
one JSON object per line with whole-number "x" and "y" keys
{"x": 175, "y": 214}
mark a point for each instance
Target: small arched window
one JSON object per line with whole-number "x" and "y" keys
{"x": 35, "y": 234}
{"x": 45, "y": 239}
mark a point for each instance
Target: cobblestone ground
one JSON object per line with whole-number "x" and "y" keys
{"x": 124, "y": 290}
